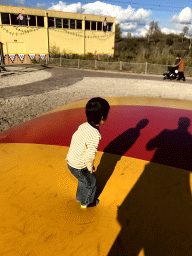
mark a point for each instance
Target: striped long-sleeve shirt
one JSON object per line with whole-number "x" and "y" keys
{"x": 83, "y": 147}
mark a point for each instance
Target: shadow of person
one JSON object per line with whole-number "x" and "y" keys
{"x": 173, "y": 147}
{"x": 156, "y": 215}
{"x": 113, "y": 153}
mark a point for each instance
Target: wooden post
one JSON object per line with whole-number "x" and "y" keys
{"x": 145, "y": 67}
{"x": 78, "y": 63}
{"x": 120, "y": 65}
{"x": 95, "y": 64}
{"x": 60, "y": 60}
{"x": 46, "y": 59}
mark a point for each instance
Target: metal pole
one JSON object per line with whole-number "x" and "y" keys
{"x": 83, "y": 27}
{"x": 46, "y": 25}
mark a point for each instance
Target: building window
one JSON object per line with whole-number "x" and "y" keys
{"x": 110, "y": 26}
{"x": 72, "y": 24}
{"x": 40, "y": 21}
{"x": 87, "y": 25}
{"x": 51, "y": 22}
{"x": 65, "y": 23}
{"x": 5, "y": 18}
{"x": 14, "y": 20}
{"x": 32, "y": 21}
{"x": 58, "y": 23}
{"x": 79, "y": 24}
{"x": 93, "y": 25}
{"x": 99, "y": 25}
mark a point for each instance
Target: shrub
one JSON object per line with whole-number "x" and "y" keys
{"x": 54, "y": 50}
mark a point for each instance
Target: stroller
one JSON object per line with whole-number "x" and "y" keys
{"x": 172, "y": 73}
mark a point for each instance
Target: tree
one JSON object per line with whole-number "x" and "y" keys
{"x": 169, "y": 41}
{"x": 185, "y": 31}
{"x": 154, "y": 32}
{"x": 154, "y": 27}
{"x": 190, "y": 35}
{"x": 129, "y": 35}
{"x": 118, "y": 37}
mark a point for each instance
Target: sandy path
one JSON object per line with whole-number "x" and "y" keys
{"x": 19, "y": 76}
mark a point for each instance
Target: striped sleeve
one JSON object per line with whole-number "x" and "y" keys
{"x": 92, "y": 145}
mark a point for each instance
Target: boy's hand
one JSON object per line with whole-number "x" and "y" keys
{"x": 93, "y": 170}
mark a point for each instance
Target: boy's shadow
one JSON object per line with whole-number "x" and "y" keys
{"x": 118, "y": 147}
{"x": 156, "y": 214}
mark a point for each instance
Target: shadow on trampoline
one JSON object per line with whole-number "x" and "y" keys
{"x": 156, "y": 215}
{"x": 118, "y": 147}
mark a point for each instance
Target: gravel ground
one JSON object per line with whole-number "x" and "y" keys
{"x": 27, "y": 94}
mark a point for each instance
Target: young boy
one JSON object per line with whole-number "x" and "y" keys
{"x": 83, "y": 148}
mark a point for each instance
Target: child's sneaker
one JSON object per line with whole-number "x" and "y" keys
{"x": 90, "y": 205}
{"x": 83, "y": 206}
{"x": 94, "y": 203}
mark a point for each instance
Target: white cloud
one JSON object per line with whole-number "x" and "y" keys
{"x": 141, "y": 15}
{"x": 61, "y": 6}
{"x": 130, "y": 20}
{"x": 185, "y": 17}
{"x": 169, "y": 31}
{"x": 40, "y": 5}
{"x": 128, "y": 26}
{"x": 141, "y": 31}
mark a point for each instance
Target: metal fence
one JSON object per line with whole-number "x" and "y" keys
{"x": 116, "y": 66}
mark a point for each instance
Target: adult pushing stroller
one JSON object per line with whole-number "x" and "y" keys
{"x": 172, "y": 73}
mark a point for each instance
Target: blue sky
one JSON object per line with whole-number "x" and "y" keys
{"x": 133, "y": 15}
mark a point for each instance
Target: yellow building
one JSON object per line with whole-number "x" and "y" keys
{"x": 26, "y": 33}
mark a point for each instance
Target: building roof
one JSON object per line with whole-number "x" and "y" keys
{"x": 52, "y": 13}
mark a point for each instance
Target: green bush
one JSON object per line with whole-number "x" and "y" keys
{"x": 54, "y": 50}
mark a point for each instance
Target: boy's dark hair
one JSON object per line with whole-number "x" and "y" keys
{"x": 96, "y": 108}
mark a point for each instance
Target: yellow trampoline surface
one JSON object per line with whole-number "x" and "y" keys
{"x": 143, "y": 169}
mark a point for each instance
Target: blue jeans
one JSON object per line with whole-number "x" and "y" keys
{"x": 86, "y": 189}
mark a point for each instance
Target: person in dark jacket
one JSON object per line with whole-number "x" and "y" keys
{"x": 177, "y": 60}
{"x": 181, "y": 68}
